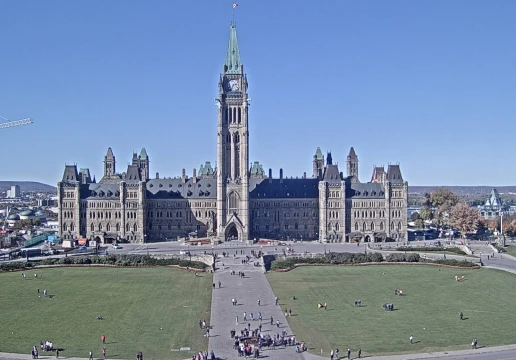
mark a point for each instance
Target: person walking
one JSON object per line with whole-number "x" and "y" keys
{"x": 91, "y": 356}
{"x": 104, "y": 352}
{"x": 103, "y": 338}
{"x": 236, "y": 321}
{"x": 359, "y": 353}
{"x": 411, "y": 338}
{"x": 349, "y": 353}
{"x": 57, "y": 353}
{"x": 258, "y": 301}
{"x": 461, "y": 315}
{"x": 220, "y": 284}
{"x": 331, "y": 355}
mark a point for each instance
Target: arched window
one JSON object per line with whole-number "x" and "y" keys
{"x": 233, "y": 202}
{"x": 364, "y": 228}
{"x": 337, "y": 227}
{"x": 65, "y": 227}
{"x": 296, "y": 226}
{"x": 108, "y": 227}
{"x": 117, "y": 226}
{"x": 372, "y": 226}
{"x": 100, "y": 227}
{"x": 356, "y": 226}
{"x": 239, "y": 115}
{"x": 399, "y": 226}
{"x": 127, "y": 228}
{"x": 381, "y": 226}
{"x": 135, "y": 228}
{"x": 392, "y": 226}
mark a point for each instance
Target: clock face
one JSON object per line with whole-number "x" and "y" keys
{"x": 233, "y": 85}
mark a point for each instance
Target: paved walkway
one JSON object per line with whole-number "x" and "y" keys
{"x": 246, "y": 291}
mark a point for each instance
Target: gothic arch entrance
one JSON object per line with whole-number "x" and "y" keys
{"x": 367, "y": 238}
{"x": 231, "y": 232}
{"x": 98, "y": 240}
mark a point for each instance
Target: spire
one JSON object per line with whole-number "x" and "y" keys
{"x": 352, "y": 153}
{"x": 318, "y": 154}
{"x": 143, "y": 154}
{"x": 233, "y": 64}
{"x": 329, "y": 160}
{"x": 109, "y": 153}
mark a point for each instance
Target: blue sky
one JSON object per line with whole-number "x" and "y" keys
{"x": 427, "y": 84}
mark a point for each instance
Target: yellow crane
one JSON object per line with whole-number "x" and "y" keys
{"x": 14, "y": 123}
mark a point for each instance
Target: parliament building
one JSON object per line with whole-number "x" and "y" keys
{"x": 236, "y": 199}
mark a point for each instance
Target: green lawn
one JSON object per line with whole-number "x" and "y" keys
{"x": 428, "y": 311}
{"x": 135, "y": 304}
{"x": 511, "y": 249}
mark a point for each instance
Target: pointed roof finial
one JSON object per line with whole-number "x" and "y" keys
{"x": 109, "y": 152}
{"x": 233, "y": 64}
{"x": 318, "y": 154}
{"x": 143, "y": 154}
{"x": 352, "y": 153}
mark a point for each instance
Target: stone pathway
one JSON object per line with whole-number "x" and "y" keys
{"x": 246, "y": 291}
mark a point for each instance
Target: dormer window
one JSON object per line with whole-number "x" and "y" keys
{"x": 189, "y": 185}
{"x": 198, "y": 185}
{"x": 169, "y": 185}
{"x": 209, "y": 185}
{"x": 151, "y": 185}
{"x": 189, "y": 193}
{"x": 160, "y": 185}
{"x": 180, "y": 185}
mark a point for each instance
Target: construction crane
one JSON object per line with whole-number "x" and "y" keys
{"x": 14, "y": 123}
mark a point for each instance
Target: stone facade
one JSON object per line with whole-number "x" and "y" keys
{"x": 234, "y": 200}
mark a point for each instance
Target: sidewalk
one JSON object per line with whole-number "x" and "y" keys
{"x": 246, "y": 291}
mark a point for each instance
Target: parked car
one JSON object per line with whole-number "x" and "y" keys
{"x": 115, "y": 246}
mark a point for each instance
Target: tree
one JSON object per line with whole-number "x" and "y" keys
{"x": 441, "y": 201}
{"x": 464, "y": 218}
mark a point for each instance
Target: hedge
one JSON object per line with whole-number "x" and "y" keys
{"x": 115, "y": 260}
{"x": 358, "y": 258}
{"x": 432, "y": 249}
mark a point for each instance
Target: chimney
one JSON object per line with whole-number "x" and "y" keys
{"x": 183, "y": 175}
{"x": 281, "y": 175}
{"x": 157, "y": 175}
{"x": 194, "y": 176}
{"x": 341, "y": 175}
{"x": 304, "y": 175}
{"x": 270, "y": 175}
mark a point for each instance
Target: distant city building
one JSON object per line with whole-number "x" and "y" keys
{"x": 14, "y": 192}
{"x": 236, "y": 199}
{"x": 47, "y": 202}
{"x": 493, "y": 207}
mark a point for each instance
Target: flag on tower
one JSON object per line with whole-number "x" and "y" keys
{"x": 235, "y": 5}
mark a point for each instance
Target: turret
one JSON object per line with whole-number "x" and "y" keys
{"x": 352, "y": 164}
{"x": 109, "y": 163}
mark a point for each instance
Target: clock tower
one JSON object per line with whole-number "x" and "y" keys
{"x": 233, "y": 147}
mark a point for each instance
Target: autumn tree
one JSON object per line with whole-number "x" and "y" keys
{"x": 416, "y": 218}
{"x": 441, "y": 201}
{"x": 464, "y": 218}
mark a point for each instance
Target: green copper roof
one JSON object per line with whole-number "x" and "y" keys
{"x": 233, "y": 64}
{"x": 143, "y": 154}
{"x": 318, "y": 154}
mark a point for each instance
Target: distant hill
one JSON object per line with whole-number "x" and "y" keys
{"x": 27, "y": 186}
{"x": 463, "y": 190}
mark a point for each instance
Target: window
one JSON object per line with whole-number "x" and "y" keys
{"x": 356, "y": 226}
{"x": 233, "y": 202}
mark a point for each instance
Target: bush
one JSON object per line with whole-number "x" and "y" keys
{"x": 432, "y": 249}
{"x": 330, "y": 258}
{"x": 14, "y": 266}
{"x": 400, "y": 257}
{"x": 117, "y": 260}
{"x": 450, "y": 262}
